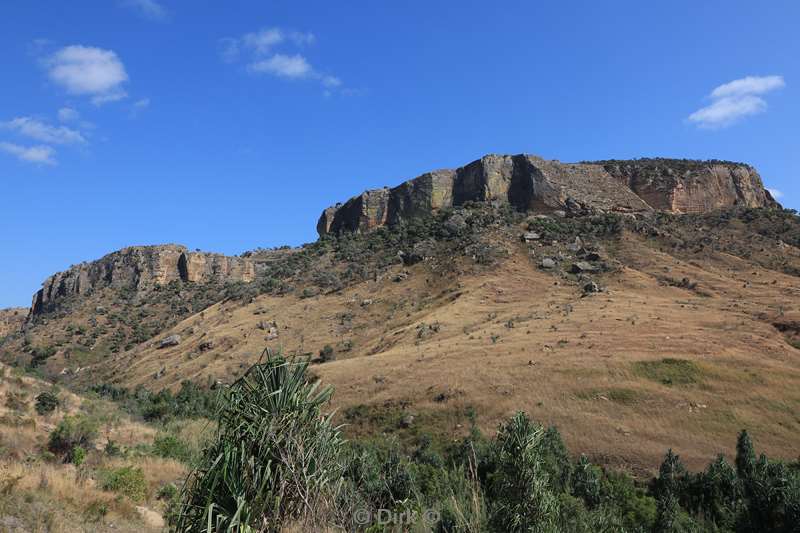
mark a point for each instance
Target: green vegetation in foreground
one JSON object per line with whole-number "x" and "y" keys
{"x": 670, "y": 371}
{"x": 277, "y": 462}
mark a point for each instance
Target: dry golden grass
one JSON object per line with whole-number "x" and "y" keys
{"x": 46, "y": 495}
{"x": 515, "y": 337}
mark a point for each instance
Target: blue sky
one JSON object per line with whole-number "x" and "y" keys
{"x": 227, "y": 126}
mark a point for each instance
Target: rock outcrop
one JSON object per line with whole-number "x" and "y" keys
{"x": 530, "y": 183}
{"x": 682, "y": 186}
{"x": 139, "y": 268}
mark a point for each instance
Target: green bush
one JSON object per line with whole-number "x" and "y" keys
{"x": 327, "y": 354}
{"x": 71, "y": 432}
{"x": 171, "y": 447}
{"x": 77, "y": 456}
{"x": 47, "y": 402}
{"x": 127, "y": 480}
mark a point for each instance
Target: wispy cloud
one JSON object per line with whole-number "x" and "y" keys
{"x": 41, "y": 131}
{"x": 283, "y": 66}
{"x": 139, "y": 106}
{"x": 775, "y": 193}
{"x": 147, "y": 8}
{"x": 41, "y": 155}
{"x": 259, "y": 50}
{"x": 735, "y": 100}
{"x": 68, "y": 114}
{"x": 88, "y": 71}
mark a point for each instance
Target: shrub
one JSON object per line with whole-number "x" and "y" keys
{"x": 77, "y": 456}
{"x": 327, "y": 353}
{"x": 71, "y": 432}
{"x": 170, "y": 447}
{"x": 274, "y": 457}
{"x": 47, "y": 402}
{"x": 127, "y": 480}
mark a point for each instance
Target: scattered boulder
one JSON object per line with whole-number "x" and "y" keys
{"x": 582, "y": 266}
{"x": 576, "y": 246}
{"x": 455, "y": 224}
{"x": 530, "y": 236}
{"x": 591, "y": 288}
{"x": 205, "y": 346}
{"x": 547, "y": 263}
{"x": 172, "y": 340}
{"x": 407, "y": 421}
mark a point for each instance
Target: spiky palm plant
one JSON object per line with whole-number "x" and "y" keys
{"x": 274, "y": 458}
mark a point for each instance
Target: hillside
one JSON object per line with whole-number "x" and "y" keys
{"x": 633, "y": 328}
{"x": 121, "y": 478}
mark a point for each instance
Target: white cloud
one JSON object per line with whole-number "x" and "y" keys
{"x": 42, "y": 155}
{"x": 148, "y": 8}
{"x": 776, "y": 194}
{"x": 68, "y": 114}
{"x": 735, "y": 100}
{"x": 749, "y": 85}
{"x": 283, "y": 66}
{"x": 262, "y": 41}
{"x": 260, "y": 50}
{"x": 331, "y": 81}
{"x": 41, "y": 131}
{"x": 88, "y": 71}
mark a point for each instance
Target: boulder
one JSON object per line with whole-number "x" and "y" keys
{"x": 583, "y": 266}
{"x": 547, "y": 263}
{"x": 172, "y": 340}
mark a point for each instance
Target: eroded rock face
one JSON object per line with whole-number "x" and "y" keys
{"x": 201, "y": 267}
{"x": 682, "y": 186}
{"x": 530, "y": 183}
{"x": 140, "y": 267}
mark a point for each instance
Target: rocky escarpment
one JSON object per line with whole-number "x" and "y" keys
{"x": 530, "y": 183}
{"x": 139, "y": 268}
{"x": 682, "y": 186}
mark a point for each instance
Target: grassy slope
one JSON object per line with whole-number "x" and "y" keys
{"x": 515, "y": 337}
{"x": 40, "y": 493}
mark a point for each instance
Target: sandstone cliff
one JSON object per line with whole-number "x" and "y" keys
{"x": 141, "y": 267}
{"x": 532, "y": 183}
